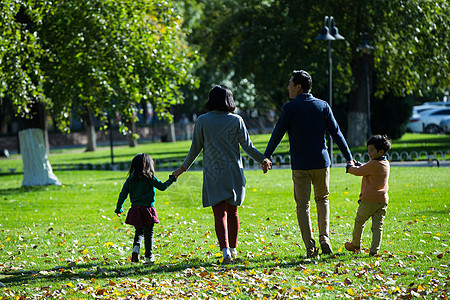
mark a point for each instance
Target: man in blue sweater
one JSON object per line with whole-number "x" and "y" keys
{"x": 306, "y": 119}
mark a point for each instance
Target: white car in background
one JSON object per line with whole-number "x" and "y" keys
{"x": 431, "y": 119}
{"x": 438, "y": 104}
{"x": 416, "y": 122}
{"x": 445, "y": 124}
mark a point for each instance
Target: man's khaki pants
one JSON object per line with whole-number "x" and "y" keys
{"x": 320, "y": 179}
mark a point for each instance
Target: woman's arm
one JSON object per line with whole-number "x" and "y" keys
{"x": 247, "y": 144}
{"x": 196, "y": 147}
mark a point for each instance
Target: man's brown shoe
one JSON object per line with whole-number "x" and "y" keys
{"x": 349, "y": 246}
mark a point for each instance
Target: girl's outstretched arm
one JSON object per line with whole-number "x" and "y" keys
{"x": 162, "y": 186}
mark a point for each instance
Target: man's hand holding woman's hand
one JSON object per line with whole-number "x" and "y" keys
{"x": 266, "y": 165}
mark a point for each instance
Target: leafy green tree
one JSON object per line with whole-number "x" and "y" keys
{"x": 101, "y": 56}
{"x": 21, "y": 76}
{"x": 263, "y": 41}
{"x": 109, "y": 55}
{"x": 411, "y": 46}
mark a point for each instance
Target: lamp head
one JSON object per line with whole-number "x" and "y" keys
{"x": 365, "y": 47}
{"x": 335, "y": 33}
{"x": 325, "y": 34}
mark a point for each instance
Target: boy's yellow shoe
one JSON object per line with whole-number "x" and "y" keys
{"x": 349, "y": 246}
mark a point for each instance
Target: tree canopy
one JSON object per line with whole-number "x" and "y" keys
{"x": 267, "y": 39}
{"x": 101, "y": 55}
{"x": 21, "y": 77}
{"x": 263, "y": 41}
{"x": 110, "y": 55}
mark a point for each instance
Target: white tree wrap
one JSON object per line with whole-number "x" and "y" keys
{"x": 36, "y": 167}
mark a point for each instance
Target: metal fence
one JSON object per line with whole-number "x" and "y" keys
{"x": 435, "y": 158}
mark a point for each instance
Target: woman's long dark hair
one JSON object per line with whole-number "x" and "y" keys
{"x": 142, "y": 166}
{"x": 221, "y": 99}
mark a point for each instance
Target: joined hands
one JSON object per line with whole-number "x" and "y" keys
{"x": 266, "y": 165}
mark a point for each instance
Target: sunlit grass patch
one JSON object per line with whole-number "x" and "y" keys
{"x": 66, "y": 242}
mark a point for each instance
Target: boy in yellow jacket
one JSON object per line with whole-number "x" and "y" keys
{"x": 373, "y": 199}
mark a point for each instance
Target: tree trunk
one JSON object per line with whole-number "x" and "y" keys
{"x": 357, "y": 108}
{"x": 36, "y": 166}
{"x": 132, "y": 142}
{"x": 261, "y": 127}
{"x": 171, "y": 134}
{"x": 3, "y": 117}
{"x": 33, "y": 140}
{"x": 357, "y": 128}
{"x": 90, "y": 130}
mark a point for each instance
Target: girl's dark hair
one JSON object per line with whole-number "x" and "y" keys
{"x": 221, "y": 99}
{"x": 142, "y": 166}
{"x": 380, "y": 142}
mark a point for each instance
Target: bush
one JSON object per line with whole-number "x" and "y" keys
{"x": 390, "y": 115}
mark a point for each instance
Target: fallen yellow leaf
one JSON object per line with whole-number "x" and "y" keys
{"x": 102, "y": 292}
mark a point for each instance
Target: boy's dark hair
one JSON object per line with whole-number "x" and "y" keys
{"x": 380, "y": 142}
{"x": 142, "y": 166}
{"x": 221, "y": 99}
{"x": 303, "y": 78}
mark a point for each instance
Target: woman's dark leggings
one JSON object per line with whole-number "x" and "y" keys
{"x": 146, "y": 234}
{"x": 226, "y": 221}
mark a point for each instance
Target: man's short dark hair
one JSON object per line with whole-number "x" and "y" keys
{"x": 380, "y": 142}
{"x": 303, "y": 78}
{"x": 220, "y": 98}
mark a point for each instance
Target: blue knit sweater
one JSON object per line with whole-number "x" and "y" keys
{"x": 306, "y": 119}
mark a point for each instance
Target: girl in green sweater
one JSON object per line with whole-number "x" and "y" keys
{"x": 140, "y": 185}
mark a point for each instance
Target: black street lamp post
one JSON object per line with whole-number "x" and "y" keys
{"x": 366, "y": 49}
{"x": 329, "y": 33}
{"x": 111, "y": 139}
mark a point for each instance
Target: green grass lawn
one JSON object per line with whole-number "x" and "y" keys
{"x": 66, "y": 242}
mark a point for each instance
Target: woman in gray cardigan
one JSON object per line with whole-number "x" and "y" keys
{"x": 220, "y": 133}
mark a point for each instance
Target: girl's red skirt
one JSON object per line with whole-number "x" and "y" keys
{"x": 141, "y": 216}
